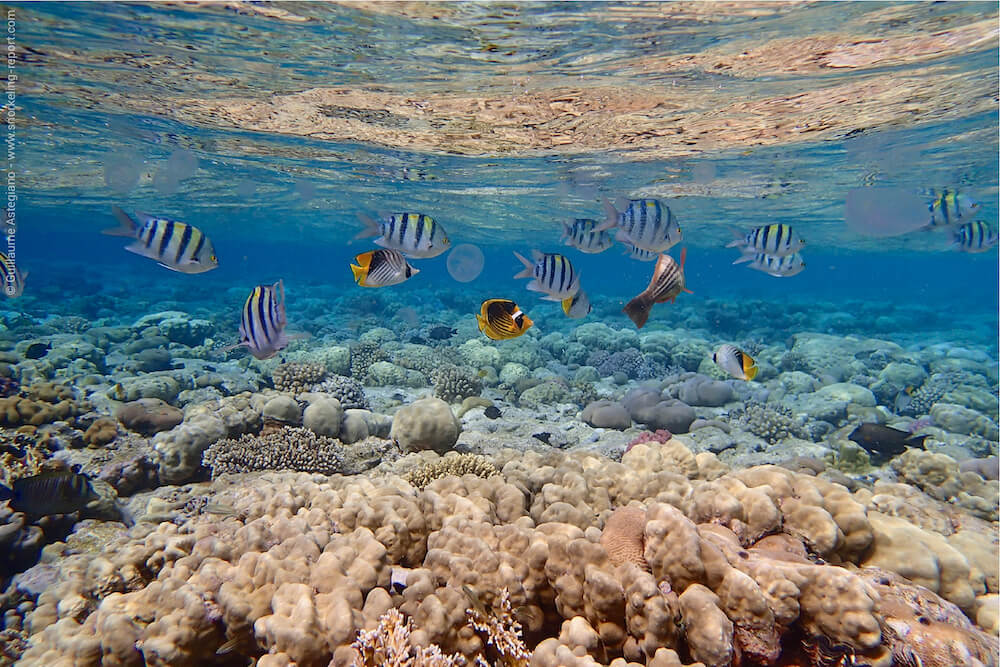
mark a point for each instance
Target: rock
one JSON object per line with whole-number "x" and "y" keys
{"x": 704, "y": 391}
{"x": 323, "y": 416}
{"x": 148, "y": 416}
{"x": 427, "y": 423}
{"x": 283, "y": 409}
{"x": 960, "y": 419}
{"x": 606, "y": 414}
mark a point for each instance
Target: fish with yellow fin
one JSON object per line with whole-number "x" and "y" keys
{"x": 382, "y": 268}
{"x": 502, "y": 319}
{"x": 576, "y": 306}
{"x": 736, "y": 362}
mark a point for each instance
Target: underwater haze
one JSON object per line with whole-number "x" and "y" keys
{"x": 276, "y": 387}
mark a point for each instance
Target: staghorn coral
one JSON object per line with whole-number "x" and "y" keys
{"x": 306, "y": 562}
{"x": 453, "y": 464}
{"x": 452, "y": 384}
{"x": 771, "y": 422}
{"x": 347, "y": 390}
{"x": 288, "y": 448}
{"x": 296, "y": 377}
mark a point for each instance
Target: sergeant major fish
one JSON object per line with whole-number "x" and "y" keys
{"x": 382, "y": 268}
{"x": 262, "y": 326}
{"x": 975, "y": 237}
{"x": 780, "y": 267}
{"x": 174, "y": 245}
{"x": 553, "y": 274}
{"x": 667, "y": 282}
{"x": 645, "y": 224}
{"x": 949, "y": 207}
{"x": 640, "y": 254}
{"x": 502, "y": 319}
{"x": 12, "y": 277}
{"x": 777, "y": 240}
{"x": 736, "y": 362}
{"x": 413, "y": 234}
{"x": 583, "y": 235}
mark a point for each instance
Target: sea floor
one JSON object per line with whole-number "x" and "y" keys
{"x": 584, "y": 494}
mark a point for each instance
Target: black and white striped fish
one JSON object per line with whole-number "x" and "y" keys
{"x": 776, "y": 240}
{"x": 413, "y": 234}
{"x": 780, "y": 267}
{"x": 174, "y": 245}
{"x": 975, "y": 237}
{"x": 381, "y": 268}
{"x": 583, "y": 235}
{"x": 262, "y": 326}
{"x": 13, "y": 278}
{"x": 553, "y": 274}
{"x": 640, "y": 254}
{"x": 645, "y": 224}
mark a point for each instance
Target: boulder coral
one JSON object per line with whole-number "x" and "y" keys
{"x": 665, "y": 556}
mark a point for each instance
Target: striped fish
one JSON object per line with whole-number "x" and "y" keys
{"x": 51, "y": 492}
{"x": 583, "y": 235}
{"x": 780, "y": 267}
{"x": 174, "y": 245}
{"x": 640, "y": 254}
{"x": 413, "y": 234}
{"x": 502, "y": 319}
{"x": 381, "y": 268}
{"x": 975, "y": 237}
{"x": 645, "y": 224}
{"x": 262, "y": 326}
{"x": 13, "y": 279}
{"x": 577, "y": 306}
{"x": 776, "y": 240}
{"x": 735, "y": 361}
{"x": 553, "y": 274}
{"x": 949, "y": 207}
{"x": 667, "y": 282}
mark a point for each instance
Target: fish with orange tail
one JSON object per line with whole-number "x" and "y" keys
{"x": 502, "y": 319}
{"x": 666, "y": 284}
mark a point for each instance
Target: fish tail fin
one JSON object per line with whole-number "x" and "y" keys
{"x": 738, "y": 237}
{"x": 638, "y": 311}
{"x": 126, "y": 225}
{"x": 749, "y": 367}
{"x": 371, "y": 227}
{"x": 610, "y": 217}
{"x": 567, "y": 228}
{"x": 529, "y": 267}
{"x": 359, "y": 273}
{"x": 916, "y": 441}
{"x": 744, "y": 258}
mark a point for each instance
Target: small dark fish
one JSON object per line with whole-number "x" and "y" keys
{"x": 47, "y": 493}
{"x": 37, "y": 350}
{"x": 492, "y": 412}
{"x": 441, "y": 332}
{"x": 543, "y": 436}
{"x": 884, "y": 442}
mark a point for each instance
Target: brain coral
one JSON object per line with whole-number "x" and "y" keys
{"x": 739, "y": 564}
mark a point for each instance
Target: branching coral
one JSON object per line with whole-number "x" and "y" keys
{"x": 771, "y": 422}
{"x": 285, "y": 449}
{"x": 453, "y": 384}
{"x": 296, "y": 377}
{"x": 458, "y": 465}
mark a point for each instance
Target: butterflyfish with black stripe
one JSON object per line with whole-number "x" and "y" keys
{"x": 12, "y": 277}
{"x": 667, "y": 282}
{"x": 502, "y": 319}
{"x": 174, "y": 245}
{"x": 735, "y": 361}
{"x": 414, "y": 234}
{"x": 577, "y": 306}
{"x": 645, "y": 223}
{"x": 381, "y": 268}
{"x": 262, "y": 325}
{"x": 777, "y": 240}
{"x": 552, "y": 273}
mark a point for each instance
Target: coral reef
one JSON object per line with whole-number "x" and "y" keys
{"x": 769, "y": 421}
{"x": 427, "y": 423}
{"x": 453, "y": 384}
{"x": 288, "y": 448}
{"x": 296, "y": 377}
{"x": 347, "y": 390}
{"x": 363, "y": 355}
{"x": 696, "y": 561}
{"x": 452, "y": 464}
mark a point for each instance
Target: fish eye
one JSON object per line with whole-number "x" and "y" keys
{"x": 212, "y": 258}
